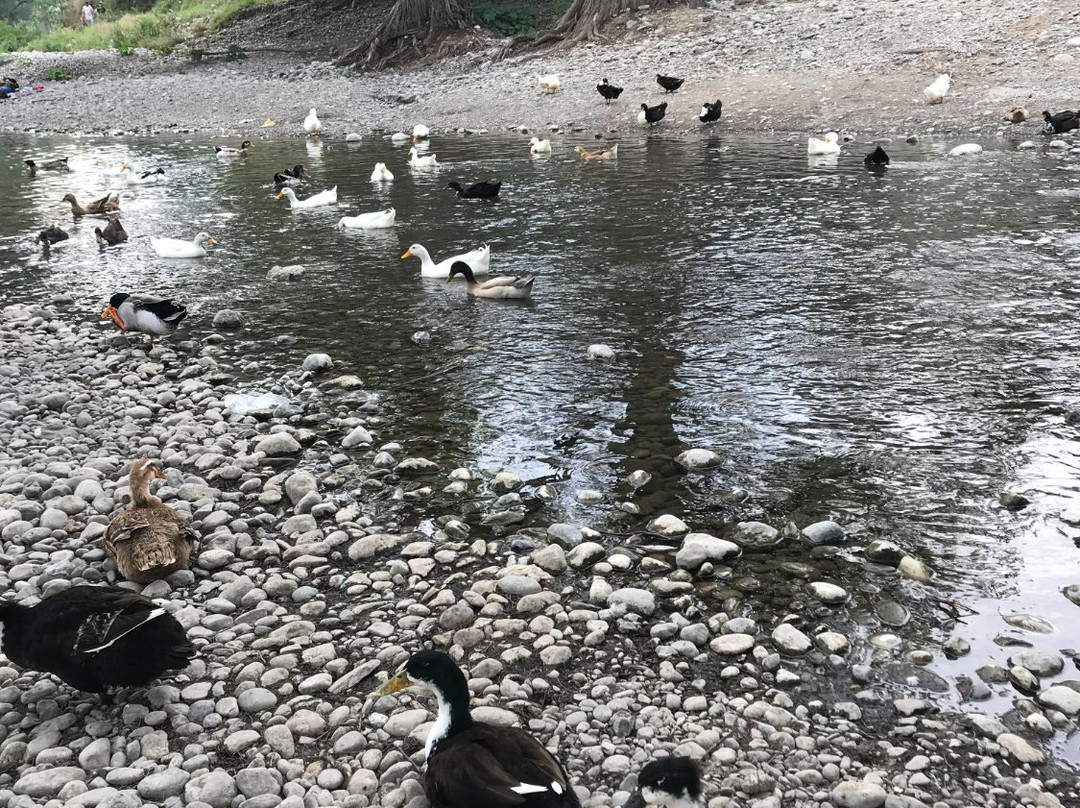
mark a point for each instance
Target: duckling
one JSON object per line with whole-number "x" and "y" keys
{"x": 550, "y": 83}
{"x": 487, "y": 189}
{"x": 602, "y": 154}
{"x": 711, "y": 112}
{"x": 830, "y": 144}
{"x": 113, "y": 233}
{"x": 106, "y": 204}
{"x": 471, "y": 763}
{"x": 668, "y": 782}
{"x": 148, "y": 314}
{"x": 669, "y": 83}
{"x": 1017, "y": 113}
{"x": 416, "y": 161}
{"x": 291, "y": 178}
{"x": 59, "y": 164}
{"x": 312, "y": 124}
{"x": 506, "y": 287}
{"x": 148, "y": 540}
{"x": 228, "y": 152}
{"x": 382, "y": 173}
{"x": 935, "y": 93}
{"x": 878, "y": 158}
{"x": 95, "y": 638}
{"x": 609, "y": 91}
{"x": 51, "y": 235}
{"x": 651, "y": 115}
{"x": 1060, "y": 122}
{"x": 538, "y": 146}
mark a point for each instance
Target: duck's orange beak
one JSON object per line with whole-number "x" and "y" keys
{"x": 279, "y": 196}
{"x": 408, "y": 253}
{"x": 211, "y": 240}
{"x": 112, "y": 314}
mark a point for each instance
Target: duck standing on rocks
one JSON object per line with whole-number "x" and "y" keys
{"x": 312, "y": 124}
{"x": 147, "y": 314}
{"x": 148, "y": 540}
{"x": 609, "y": 91}
{"x": 95, "y": 638}
{"x": 651, "y": 115}
{"x": 710, "y": 113}
{"x": 550, "y": 83}
{"x": 1017, "y": 113}
{"x": 114, "y": 233}
{"x": 669, "y": 83}
{"x": 470, "y": 763}
{"x": 669, "y": 782}
{"x": 486, "y": 189}
{"x": 1060, "y": 122}
{"x": 878, "y": 158}
{"x": 935, "y": 93}
{"x": 107, "y": 204}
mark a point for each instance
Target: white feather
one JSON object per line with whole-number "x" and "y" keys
{"x": 528, "y": 788}
{"x": 153, "y": 614}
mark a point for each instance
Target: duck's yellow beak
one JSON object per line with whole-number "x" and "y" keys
{"x": 111, "y": 313}
{"x": 408, "y": 253}
{"x": 211, "y": 240}
{"x": 279, "y": 196}
{"x": 399, "y": 682}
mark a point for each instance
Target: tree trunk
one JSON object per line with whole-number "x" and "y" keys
{"x": 411, "y": 24}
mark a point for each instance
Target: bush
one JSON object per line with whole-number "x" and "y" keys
{"x": 57, "y": 74}
{"x": 509, "y": 19}
{"x": 235, "y": 53}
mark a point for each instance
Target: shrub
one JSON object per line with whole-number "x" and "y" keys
{"x": 57, "y": 74}
{"x": 509, "y": 19}
{"x": 235, "y": 53}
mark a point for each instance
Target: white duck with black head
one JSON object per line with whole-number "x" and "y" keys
{"x": 470, "y": 763}
{"x": 670, "y": 782}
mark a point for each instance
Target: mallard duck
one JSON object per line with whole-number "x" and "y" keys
{"x": 668, "y": 782}
{"x": 470, "y": 763}
{"x": 878, "y": 158}
{"x": 1060, "y": 122}
{"x": 420, "y": 132}
{"x": 609, "y": 91}
{"x": 179, "y": 248}
{"x": 550, "y": 83}
{"x": 312, "y": 124}
{"x": 59, "y": 164}
{"x": 505, "y": 287}
{"x": 106, "y": 204}
{"x": 152, "y": 177}
{"x": 538, "y": 146}
{"x": 315, "y": 200}
{"x": 376, "y": 220}
{"x": 95, "y": 638}
{"x": 148, "y": 540}
{"x": 381, "y": 173}
{"x": 111, "y": 169}
{"x": 1017, "y": 113}
{"x": 479, "y": 260}
{"x": 147, "y": 314}
{"x": 711, "y": 112}
{"x": 651, "y": 115}
{"x": 52, "y": 235}
{"x": 291, "y": 178}
{"x": 935, "y": 93}
{"x": 486, "y": 189}
{"x": 669, "y": 83}
{"x": 602, "y": 154}
{"x": 113, "y": 233}
{"x": 416, "y": 161}
{"x": 226, "y": 152}
{"x": 830, "y": 144}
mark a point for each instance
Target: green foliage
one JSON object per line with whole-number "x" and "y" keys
{"x": 12, "y": 36}
{"x": 514, "y": 18}
{"x": 235, "y": 53}
{"x": 57, "y": 74}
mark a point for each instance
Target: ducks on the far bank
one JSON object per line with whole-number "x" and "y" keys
{"x": 710, "y": 113}
{"x": 669, "y": 83}
{"x": 650, "y": 115}
{"x": 609, "y": 91}
{"x": 312, "y": 124}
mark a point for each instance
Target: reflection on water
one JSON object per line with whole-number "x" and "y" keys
{"x": 879, "y": 349}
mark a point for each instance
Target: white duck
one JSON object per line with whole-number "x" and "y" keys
{"x": 111, "y": 169}
{"x": 416, "y": 161}
{"x": 937, "y": 91}
{"x": 312, "y": 124}
{"x": 179, "y": 248}
{"x": 376, "y": 220}
{"x": 829, "y": 145}
{"x": 479, "y": 260}
{"x": 313, "y": 201}
{"x": 537, "y": 146}
{"x": 420, "y": 132}
{"x": 382, "y": 173}
{"x": 550, "y": 83}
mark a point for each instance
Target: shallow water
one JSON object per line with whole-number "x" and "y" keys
{"x": 887, "y": 350}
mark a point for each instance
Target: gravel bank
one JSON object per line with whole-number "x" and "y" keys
{"x": 796, "y": 66}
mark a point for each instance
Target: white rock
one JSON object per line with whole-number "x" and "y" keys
{"x": 317, "y": 363}
{"x": 1059, "y": 144}
{"x": 828, "y": 593}
{"x": 402, "y": 722}
{"x": 1020, "y": 749}
{"x": 732, "y": 644}
{"x": 357, "y": 437}
{"x": 1064, "y": 59}
{"x": 639, "y": 601}
{"x": 287, "y": 273}
{"x": 1062, "y": 698}
{"x": 353, "y": 137}
{"x": 667, "y": 525}
{"x": 1028, "y": 144}
{"x": 600, "y": 353}
{"x": 965, "y": 149}
{"x": 789, "y": 640}
{"x": 858, "y": 794}
{"x": 694, "y": 459}
{"x": 700, "y": 547}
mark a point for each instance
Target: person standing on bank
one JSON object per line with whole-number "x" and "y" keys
{"x": 88, "y": 14}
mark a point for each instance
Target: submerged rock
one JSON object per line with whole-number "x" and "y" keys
{"x": 697, "y": 459}
{"x": 824, "y": 532}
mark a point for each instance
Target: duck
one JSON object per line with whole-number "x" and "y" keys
{"x": 486, "y": 189}
{"x": 470, "y": 762}
{"x": 550, "y": 83}
{"x": 651, "y": 115}
{"x": 935, "y": 93}
{"x": 505, "y": 287}
{"x": 538, "y": 146}
{"x": 602, "y": 154}
{"x": 290, "y": 177}
{"x": 376, "y": 220}
{"x": 315, "y": 200}
{"x": 609, "y": 91}
{"x": 228, "y": 152}
{"x": 114, "y": 233}
{"x": 420, "y": 132}
{"x": 111, "y": 169}
{"x": 1017, "y": 113}
{"x": 668, "y": 782}
{"x": 106, "y": 204}
{"x": 148, "y": 540}
{"x": 312, "y": 124}
{"x": 478, "y": 260}
{"x": 416, "y": 161}
{"x": 148, "y": 314}
{"x": 59, "y": 164}
{"x": 669, "y": 83}
{"x": 710, "y": 113}
{"x": 179, "y": 248}
{"x": 152, "y": 177}
{"x": 52, "y": 235}
{"x": 878, "y": 158}
{"x": 381, "y": 173}
{"x": 830, "y": 144}
{"x": 1060, "y": 122}
{"x": 95, "y": 638}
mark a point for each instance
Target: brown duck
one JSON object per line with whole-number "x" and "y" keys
{"x": 149, "y": 540}
{"x": 106, "y": 204}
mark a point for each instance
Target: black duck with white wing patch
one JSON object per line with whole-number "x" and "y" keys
{"x": 1060, "y": 122}
{"x": 609, "y": 91}
{"x": 669, "y": 782}
{"x": 95, "y": 638}
{"x": 710, "y": 113}
{"x": 476, "y": 765}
